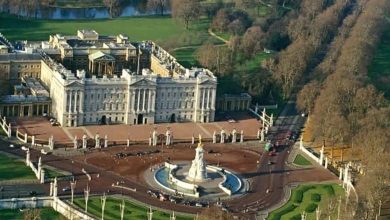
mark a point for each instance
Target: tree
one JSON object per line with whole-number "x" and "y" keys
{"x": 113, "y": 6}
{"x": 252, "y": 41}
{"x": 185, "y": 10}
{"x": 221, "y": 20}
{"x": 158, "y": 6}
{"x": 307, "y": 96}
{"x": 215, "y": 58}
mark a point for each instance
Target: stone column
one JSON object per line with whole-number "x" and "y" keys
{"x": 132, "y": 105}
{"x": 55, "y": 187}
{"x": 51, "y": 143}
{"x": 203, "y": 100}
{"x": 42, "y": 179}
{"x": 39, "y": 167}
{"x": 128, "y": 143}
{"x": 234, "y": 136}
{"x": 154, "y": 135}
{"x": 326, "y": 162}
{"x": 28, "y": 158}
{"x": 84, "y": 141}
{"x": 138, "y": 101}
{"x": 97, "y": 141}
{"x": 222, "y": 136}
{"x": 346, "y": 174}
{"x": 340, "y": 173}
{"x": 105, "y": 141}
{"x": 214, "y": 137}
{"x": 149, "y": 100}
{"x": 144, "y": 102}
{"x": 33, "y": 140}
{"x": 242, "y": 137}
{"x": 25, "y": 138}
{"x": 70, "y": 101}
{"x": 75, "y": 101}
{"x": 153, "y": 101}
{"x": 192, "y": 139}
{"x": 51, "y": 189}
{"x": 9, "y": 130}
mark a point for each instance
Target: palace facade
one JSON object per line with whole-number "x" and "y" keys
{"x": 93, "y": 79}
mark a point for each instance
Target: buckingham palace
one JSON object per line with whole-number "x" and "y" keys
{"x": 93, "y": 79}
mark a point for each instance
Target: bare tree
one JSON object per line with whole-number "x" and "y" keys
{"x": 113, "y": 6}
{"x": 307, "y": 96}
{"x": 185, "y": 10}
{"x": 158, "y": 6}
{"x": 252, "y": 41}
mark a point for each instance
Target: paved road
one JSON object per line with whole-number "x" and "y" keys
{"x": 270, "y": 177}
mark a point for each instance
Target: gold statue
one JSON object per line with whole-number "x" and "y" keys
{"x": 200, "y": 141}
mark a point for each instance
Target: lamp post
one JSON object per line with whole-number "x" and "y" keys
{"x": 150, "y": 213}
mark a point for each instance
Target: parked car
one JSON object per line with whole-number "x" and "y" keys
{"x": 11, "y": 146}
{"x": 24, "y": 148}
{"x": 44, "y": 152}
{"x": 66, "y": 189}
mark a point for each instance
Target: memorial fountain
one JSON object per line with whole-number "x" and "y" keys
{"x": 197, "y": 179}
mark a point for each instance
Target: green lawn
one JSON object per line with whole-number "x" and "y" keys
{"x": 379, "y": 70}
{"x": 15, "y": 214}
{"x": 11, "y": 169}
{"x": 253, "y": 64}
{"x": 301, "y": 160}
{"x": 112, "y": 209}
{"x": 52, "y": 173}
{"x": 137, "y": 28}
{"x": 186, "y": 56}
{"x": 307, "y": 198}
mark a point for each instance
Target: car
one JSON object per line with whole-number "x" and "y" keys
{"x": 24, "y": 148}
{"x": 270, "y": 162}
{"x": 44, "y": 152}
{"x": 271, "y": 154}
{"x": 173, "y": 200}
{"x": 33, "y": 193}
{"x": 163, "y": 197}
{"x": 198, "y": 204}
{"x": 66, "y": 189}
{"x": 11, "y": 146}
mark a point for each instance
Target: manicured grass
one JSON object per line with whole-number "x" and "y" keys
{"x": 307, "y": 198}
{"x": 112, "y": 209}
{"x": 137, "y": 28}
{"x": 12, "y": 169}
{"x": 253, "y": 64}
{"x": 379, "y": 70}
{"x": 15, "y": 214}
{"x": 301, "y": 160}
{"x": 186, "y": 57}
{"x": 52, "y": 173}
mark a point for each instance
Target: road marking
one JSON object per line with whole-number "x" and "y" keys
{"x": 68, "y": 133}
{"x": 204, "y": 129}
{"x": 87, "y": 131}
